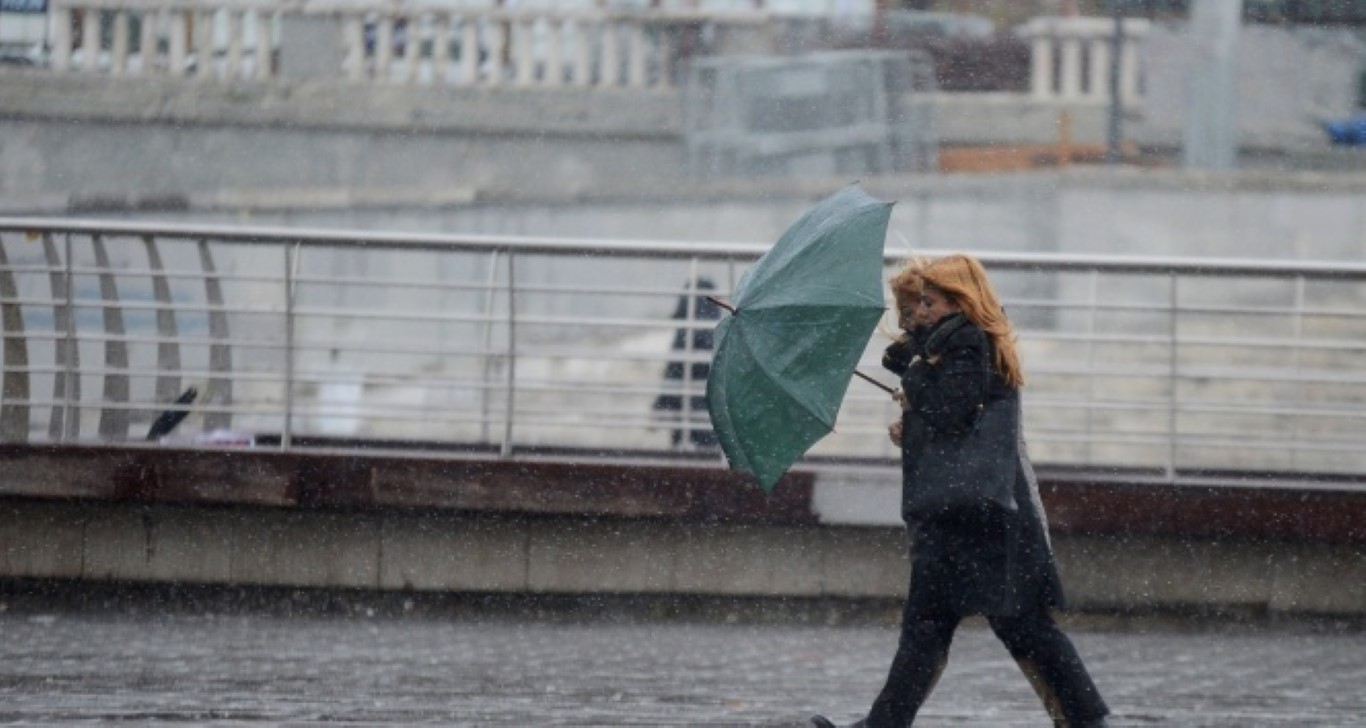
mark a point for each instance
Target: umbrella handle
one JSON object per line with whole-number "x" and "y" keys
{"x": 873, "y": 382}
{"x": 721, "y": 303}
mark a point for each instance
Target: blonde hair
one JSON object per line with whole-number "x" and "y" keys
{"x": 963, "y": 280}
{"x": 907, "y": 285}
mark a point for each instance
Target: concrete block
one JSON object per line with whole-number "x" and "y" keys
{"x": 41, "y": 540}
{"x": 117, "y": 542}
{"x": 307, "y": 549}
{"x": 1162, "y": 572}
{"x": 872, "y": 500}
{"x": 147, "y": 543}
{"x": 190, "y": 545}
{"x": 448, "y": 552}
{"x": 864, "y": 562}
{"x": 1318, "y": 578}
{"x": 588, "y": 556}
{"x": 759, "y": 560}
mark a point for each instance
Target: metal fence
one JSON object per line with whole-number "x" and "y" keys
{"x": 510, "y": 347}
{"x": 834, "y": 112}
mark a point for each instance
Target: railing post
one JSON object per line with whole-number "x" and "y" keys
{"x": 689, "y": 320}
{"x": 583, "y": 62}
{"x": 1093, "y": 302}
{"x": 1173, "y": 372}
{"x": 1298, "y": 361}
{"x": 220, "y": 350}
{"x": 553, "y": 73}
{"x": 16, "y": 389}
{"x": 384, "y": 47}
{"x": 1041, "y": 65}
{"x": 497, "y": 31}
{"x": 510, "y": 392}
{"x": 1098, "y": 66}
{"x": 202, "y": 33}
{"x": 287, "y": 427}
{"x": 90, "y": 39}
{"x": 353, "y": 41}
{"x": 469, "y": 50}
{"x": 664, "y": 52}
{"x": 441, "y": 48}
{"x": 117, "y": 385}
{"x": 609, "y": 62}
{"x": 485, "y": 387}
{"x": 233, "y": 66}
{"x": 66, "y": 389}
{"x": 1070, "y": 72}
{"x": 61, "y": 37}
{"x": 522, "y": 51}
{"x": 118, "y": 51}
{"x": 178, "y": 49}
{"x": 264, "y": 50}
{"x": 147, "y": 42}
{"x": 637, "y": 48}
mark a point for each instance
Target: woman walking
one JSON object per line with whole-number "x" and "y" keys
{"x": 958, "y": 356}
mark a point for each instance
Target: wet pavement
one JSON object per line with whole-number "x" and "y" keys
{"x": 205, "y": 669}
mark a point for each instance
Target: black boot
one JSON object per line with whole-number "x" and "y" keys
{"x": 820, "y": 721}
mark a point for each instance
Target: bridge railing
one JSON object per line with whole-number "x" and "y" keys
{"x": 511, "y": 346}
{"x": 474, "y": 44}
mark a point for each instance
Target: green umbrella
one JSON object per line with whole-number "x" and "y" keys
{"x": 801, "y": 317}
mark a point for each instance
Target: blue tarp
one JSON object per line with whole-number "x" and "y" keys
{"x": 1349, "y": 132}
{"x": 23, "y": 6}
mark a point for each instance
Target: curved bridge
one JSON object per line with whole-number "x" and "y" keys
{"x": 391, "y": 411}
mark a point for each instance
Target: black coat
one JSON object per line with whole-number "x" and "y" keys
{"x": 697, "y": 372}
{"x": 980, "y": 560}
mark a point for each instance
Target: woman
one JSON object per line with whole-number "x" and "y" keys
{"x": 957, "y": 353}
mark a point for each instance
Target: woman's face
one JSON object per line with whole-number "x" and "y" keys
{"x": 907, "y": 312}
{"x": 934, "y": 305}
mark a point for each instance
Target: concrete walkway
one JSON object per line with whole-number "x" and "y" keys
{"x": 69, "y": 667}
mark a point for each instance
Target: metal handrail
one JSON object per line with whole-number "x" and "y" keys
{"x": 503, "y": 351}
{"x": 313, "y": 237}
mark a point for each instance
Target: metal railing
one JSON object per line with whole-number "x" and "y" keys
{"x": 510, "y": 346}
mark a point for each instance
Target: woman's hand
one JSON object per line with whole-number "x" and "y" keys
{"x": 894, "y": 432}
{"x": 900, "y": 398}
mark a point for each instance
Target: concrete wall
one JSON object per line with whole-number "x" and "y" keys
{"x": 1279, "y": 216}
{"x": 97, "y": 140}
{"x": 433, "y": 551}
{"x": 463, "y": 552}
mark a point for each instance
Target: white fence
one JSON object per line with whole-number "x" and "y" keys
{"x": 429, "y": 42}
{"x": 484, "y": 44}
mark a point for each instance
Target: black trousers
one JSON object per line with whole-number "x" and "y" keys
{"x": 1044, "y": 653}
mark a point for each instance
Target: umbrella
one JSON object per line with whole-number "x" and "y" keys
{"x": 801, "y": 317}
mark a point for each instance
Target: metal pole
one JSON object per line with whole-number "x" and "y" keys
{"x": 1172, "y": 371}
{"x": 1094, "y": 301}
{"x": 484, "y": 404}
{"x": 685, "y": 397}
{"x": 1300, "y": 300}
{"x": 1211, "y": 129}
{"x": 1115, "y": 132}
{"x": 506, "y": 449}
{"x": 289, "y": 348}
{"x": 70, "y": 415}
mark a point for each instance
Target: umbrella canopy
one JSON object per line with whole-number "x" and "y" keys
{"x": 801, "y": 318}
